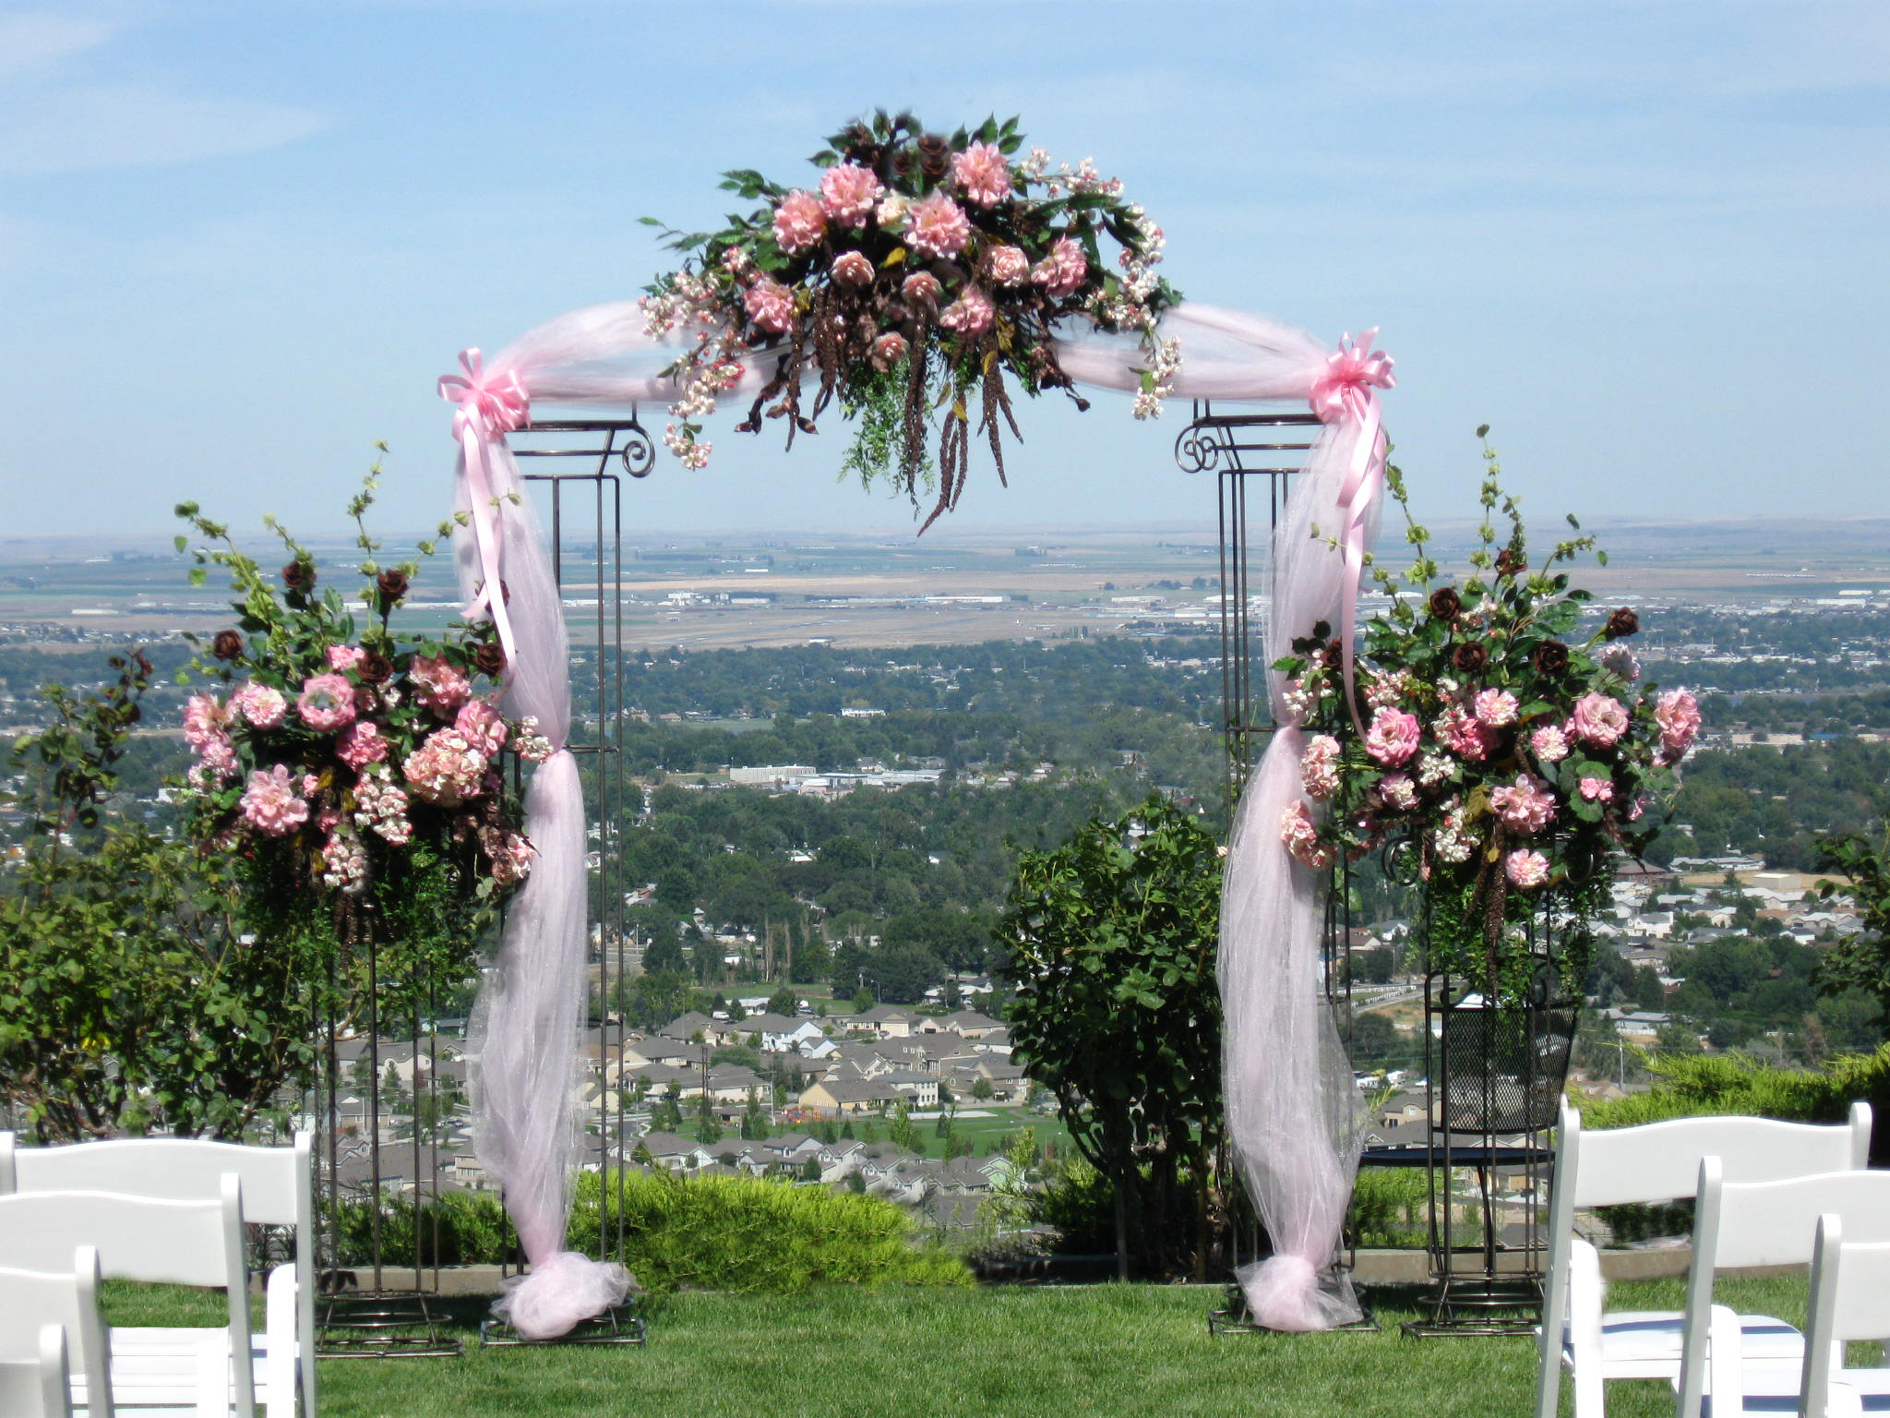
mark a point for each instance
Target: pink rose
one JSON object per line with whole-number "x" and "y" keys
{"x": 1319, "y": 767}
{"x": 438, "y": 685}
{"x": 770, "y": 305}
{"x": 1062, "y": 272}
{"x": 360, "y": 745}
{"x": 848, "y": 193}
{"x": 971, "y": 314}
{"x": 1678, "y": 714}
{"x": 937, "y": 226}
{"x": 1597, "y": 790}
{"x": 1463, "y": 735}
{"x": 204, "y": 719}
{"x": 445, "y": 769}
{"x": 270, "y": 804}
{"x": 259, "y": 705}
{"x": 1398, "y": 791}
{"x": 888, "y": 350}
{"x": 799, "y": 223}
{"x": 1550, "y": 743}
{"x": 1496, "y": 707}
{"x": 1524, "y": 806}
{"x": 482, "y": 728}
{"x": 1007, "y": 266}
{"x": 1301, "y": 836}
{"x": 921, "y": 288}
{"x": 983, "y": 174}
{"x": 1599, "y": 720}
{"x": 344, "y": 657}
{"x": 853, "y": 269}
{"x": 1526, "y": 869}
{"x": 1392, "y": 738}
{"x": 326, "y": 703}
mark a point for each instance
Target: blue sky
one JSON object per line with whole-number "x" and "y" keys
{"x": 239, "y": 241}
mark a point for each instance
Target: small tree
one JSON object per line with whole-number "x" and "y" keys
{"x": 981, "y": 1088}
{"x": 1112, "y": 942}
{"x": 1862, "y": 961}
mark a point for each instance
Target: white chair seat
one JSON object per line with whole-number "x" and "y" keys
{"x": 1772, "y": 1386}
{"x": 1650, "y": 1339}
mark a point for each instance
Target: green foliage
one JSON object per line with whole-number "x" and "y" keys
{"x": 1112, "y": 939}
{"x": 1389, "y": 1207}
{"x": 1691, "y": 1085}
{"x": 1860, "y": 962}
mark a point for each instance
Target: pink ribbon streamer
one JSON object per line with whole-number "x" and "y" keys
{"x": 490, "y": 405}
{"x": 1345, "y": 394}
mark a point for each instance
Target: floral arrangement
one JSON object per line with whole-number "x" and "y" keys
{"x": 912, "y": 278}
{"x": 337, "y": 766}
{"x": 1501, "y": 757}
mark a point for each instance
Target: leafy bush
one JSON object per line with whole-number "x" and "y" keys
{"x": 711, "y": 1233}
{"x": 1390, "y": 1207}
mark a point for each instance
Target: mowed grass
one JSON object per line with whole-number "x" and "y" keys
{"x": 1073, "y": 1352}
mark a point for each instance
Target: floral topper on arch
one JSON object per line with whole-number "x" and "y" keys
{"x": 918, "y": 272}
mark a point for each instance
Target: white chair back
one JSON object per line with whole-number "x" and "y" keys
{"x": 151, "y": 1239}
{"x": 38, "y": 1387}
{"x": 1657, "y": 1162}
{"x": 278, "y": 1190}
{"x": 31, "y": 1299}
{"x": 1850, "y": 1300}
{"x": 1742, "y": 1224}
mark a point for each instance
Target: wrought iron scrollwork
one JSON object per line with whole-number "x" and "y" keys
{"x": 1198, "y": 448}
{"x": 638, "y": 453}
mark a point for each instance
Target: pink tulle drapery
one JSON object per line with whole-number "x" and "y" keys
{"x": 1293, "y": 1114}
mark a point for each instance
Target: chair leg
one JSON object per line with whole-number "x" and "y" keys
{"x": 1588, "y": 1400}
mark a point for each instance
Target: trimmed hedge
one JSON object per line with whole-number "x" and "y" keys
{"x": 710, "y": 1233}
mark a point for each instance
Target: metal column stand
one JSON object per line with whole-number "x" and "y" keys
{"x": 1496, "y": 1070}
{"x": 1243, "y": 450}
{"x": 587, "y": 561}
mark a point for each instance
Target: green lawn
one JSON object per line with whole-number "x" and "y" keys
{"x": 1078, "y": 1352}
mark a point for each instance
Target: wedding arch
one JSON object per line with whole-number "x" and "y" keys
{"x": 916, "y": 282}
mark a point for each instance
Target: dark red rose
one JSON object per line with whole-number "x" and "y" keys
{"x": 1470, "y": 657}
{"x": 227, "y": 646}
{"x": 935, "y": 156}
{"x": 489, "y": 660}
{"x": 1622, "y": 623}
{"x": 393, "y": 585}
{"x": 299, "y": 575}
{"x": 1551, "y": 657}
{"x": 1446, "y": 604}
{"x": 1511, "y": 563}
{"x": 374, "y": 668}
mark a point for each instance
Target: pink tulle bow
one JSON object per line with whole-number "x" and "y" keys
{"x": 1345, "y": 394}
{"x": 497, "y": 402}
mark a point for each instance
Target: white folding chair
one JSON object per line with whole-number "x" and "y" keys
{"x": 32, "y": 1299}
{"x": 1743, "y": 1224}
{"x": 35, "y": 1387}
{"x": 196, "y": 1243}
{"x": 1850, "y": 1301}
{"x": 1657, "y": 1162}
{"x": 278, "y": 1190}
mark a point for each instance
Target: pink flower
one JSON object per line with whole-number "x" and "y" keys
{"x": 379, "y": 805}
{"x": 326, "y": 703}
{"x": 1524, "y": 806}
{"x": 1319, "y": 767}
{"x": 1678, "y": 714}
{"x": 1526, "y": 869}
{"x": 853, "y": 269}
{"x": 344, "y": 864}
{"x": 1463, "y": 735}
{"x": 983, "y": 174}
{"x": 1496, "y": 707}
{"x": 204, "y": 719}
{"x": 344, "y": 657}
{"x": 216, "y": 764}
{"x": 1398, "y": 791}
{"x": 270, "y": 804}
{"x": 1301, "y": 835}
{"x": 512, "y": 861}
{"x": 311, "y": 785}
{"x": 921, "y": 288}
{"x": 445, "y": 769}
{"x": 361, "y": 744}
{"x": 971, "y": 314}
{"x": 1597, "y": 790}
{"x": 770, "y": 305}
{"x": 888, "y": 350}
{"x": 1392, "y": 738}
{"x": 1599, "y": 720}
{"x": 482, "y": 728}
{"x": 1007, "y": 265}
{"x": 937, "y": 226}
{"x": 848, "y": 193}
{"x": 1550, "y": 743}
{"x": 1618, "y": 659}
{"x": 260, "y": 705}
{"x": 1383, "y": 691}
{"x": 799, "y": 223}
{"x": 438, "y": 685}
{"x": 1062, "y": 272}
